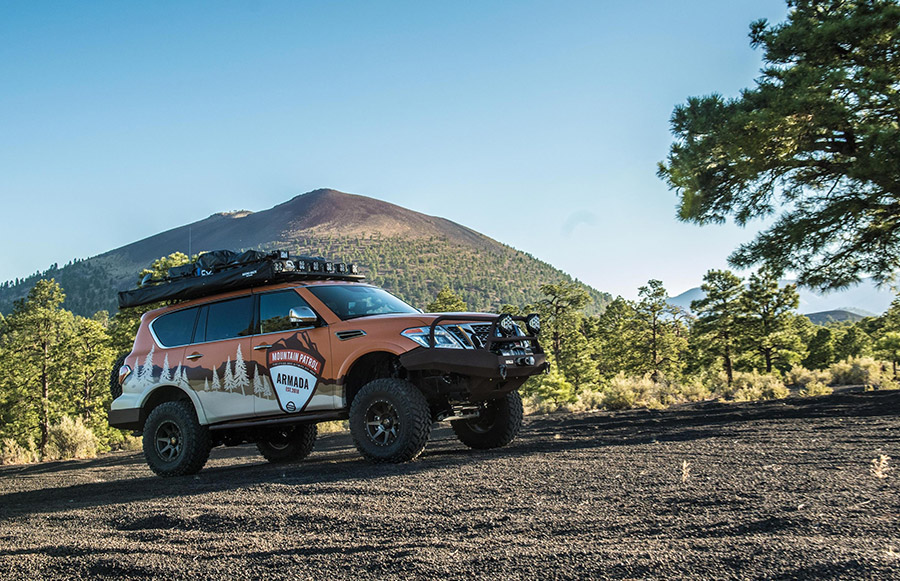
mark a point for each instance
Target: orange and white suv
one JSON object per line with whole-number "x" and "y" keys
{"x": 261, "y": 347}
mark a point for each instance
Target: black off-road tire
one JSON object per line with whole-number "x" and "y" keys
{"x": 390, "y": 421}
{"x": 174, "y": 441}
{"x": 114, "y": 388}
{"x": 500, "y": 422}
{"x": 288, "y": 444}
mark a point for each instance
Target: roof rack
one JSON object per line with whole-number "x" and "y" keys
{"x": 224, "y": 270}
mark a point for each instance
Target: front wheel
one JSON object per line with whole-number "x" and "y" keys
{"x": 497, "y": 426}
{"x": 390, "y": 421}
{"x": 174, "y": 441}
{"x": 290, "y": 444}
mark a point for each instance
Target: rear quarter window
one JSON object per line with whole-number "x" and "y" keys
{"x": 175, "y": 329}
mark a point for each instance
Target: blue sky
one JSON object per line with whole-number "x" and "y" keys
{"x": 537, "y": 123}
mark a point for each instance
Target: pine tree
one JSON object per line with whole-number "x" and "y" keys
{"x": 612, "y": 333}
{"x": 768, "y": 320}
{"x": 853, "y": 343}
{"x": 36, "y": 382}
{"x": 718, "y": 315}
{"x": 658, "y": 331}
{"x": 447, "y": 302}
{"x": 821, "y": 349}
{"x": 216, "y": 385}
{"x": 817, "y": 138}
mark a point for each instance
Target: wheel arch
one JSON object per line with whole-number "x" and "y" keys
{"x": 165, "y": 393}
{"x": 367, "y": 367}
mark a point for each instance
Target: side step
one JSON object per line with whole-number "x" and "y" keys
{"x": 302, "y": 418}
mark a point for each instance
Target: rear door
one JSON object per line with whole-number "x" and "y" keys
{"x": 292, "y": 370}
{"x": 218, "y": 359}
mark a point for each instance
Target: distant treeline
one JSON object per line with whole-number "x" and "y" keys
{"x": 742, "y": 341}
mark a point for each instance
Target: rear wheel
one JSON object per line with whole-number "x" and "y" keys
{"x": 497, "y": 426}
{"x": 290, "y": 444}
{"x": 390, "y": 421}
{"x": 174, "y": 441}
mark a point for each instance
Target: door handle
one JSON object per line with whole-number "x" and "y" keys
{"x": 260, "y": 347}
{"x": 193, "y": 356}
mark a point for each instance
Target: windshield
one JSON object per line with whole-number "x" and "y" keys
{"x": 351, "y": 301}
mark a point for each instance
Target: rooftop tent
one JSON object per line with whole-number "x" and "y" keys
{"x": 224, "y": 270}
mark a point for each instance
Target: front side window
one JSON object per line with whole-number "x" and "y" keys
{"x": 174, "y": 329}
{"x": 227, "y": 320}
{"x": 351, "y": 301}
{"x": 275, "y": 309}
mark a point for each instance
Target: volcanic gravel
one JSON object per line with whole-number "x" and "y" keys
{"x": 768, "y": 490}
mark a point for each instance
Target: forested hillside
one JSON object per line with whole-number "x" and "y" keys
{"x": 410, "y": 254}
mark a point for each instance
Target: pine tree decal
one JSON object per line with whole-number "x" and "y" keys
{"x": 145, "y": 375}
{"x": 205, "y": 384}
{"x": 260, "y": 385}
{"x": 179, "y": 375}
{"x": 216, "y": 386}
{"x": 240, "y": 372}
{"x": 165, "y": 375}
{"x": 229, "y": 377}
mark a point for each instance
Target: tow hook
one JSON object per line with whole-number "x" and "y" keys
{"x": 546, "y": 368}
{"x": 503, "y": 372}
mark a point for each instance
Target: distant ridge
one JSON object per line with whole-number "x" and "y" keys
{"x": 864, "y": 300}
{"x": 407, "y": 252}
{"x": 837, "y": 316}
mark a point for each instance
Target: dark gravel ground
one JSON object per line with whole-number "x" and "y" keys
{"x": 773, "y": 490}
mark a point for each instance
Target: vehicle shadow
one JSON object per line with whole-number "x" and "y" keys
{"x": 335, "y": 460}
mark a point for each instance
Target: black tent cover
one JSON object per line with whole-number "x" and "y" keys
{"x": 220, "y": 271}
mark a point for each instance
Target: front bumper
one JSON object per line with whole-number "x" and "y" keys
{"x": 488, "y": 375}
{"x": 474, "y": 362}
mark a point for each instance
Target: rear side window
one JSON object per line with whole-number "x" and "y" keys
{"x": 227, "y": 320}
{"x": 275, "y": 308}
{"x": 175, "y": 329}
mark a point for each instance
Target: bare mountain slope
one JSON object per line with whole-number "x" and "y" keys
{"x": 411, "y": 254}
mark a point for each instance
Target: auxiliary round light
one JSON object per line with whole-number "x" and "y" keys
{"x": 506, "y": 324}
{"x": 533, "y": 323}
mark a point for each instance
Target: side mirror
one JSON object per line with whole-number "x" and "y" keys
{"x": 303, "y": 316}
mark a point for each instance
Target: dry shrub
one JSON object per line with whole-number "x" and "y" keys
{"x": 624, "y": 392}
{"x": 11, "y": 452}
{"x": 130, "y": 443}
{"x": 753, "y": 386}
{"x": 335, "y": 426}
{"x": 70, "y": 439}
{"x": 590, "y": 399}
{"x": 693, "y": 389}
{"x": 815, "y": 388}
{"x": 621, "y": 393}
{"x": 535, "y": 404}
{"x": 862, "y": 371}
{"x": 802, "y": 377}
{"x": 880, "y": 466}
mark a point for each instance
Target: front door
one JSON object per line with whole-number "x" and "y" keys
{"x": 292, "y": 367}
